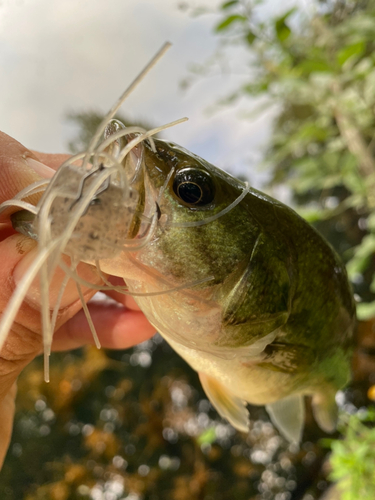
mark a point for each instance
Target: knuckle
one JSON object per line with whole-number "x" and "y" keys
{"x": 20, "y": 347}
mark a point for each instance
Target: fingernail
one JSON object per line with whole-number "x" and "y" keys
{"x": 40, "y": 168}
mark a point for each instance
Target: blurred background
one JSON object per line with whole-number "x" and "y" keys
{"x": 62, "y": 57}
{"x": 282, "y": 94}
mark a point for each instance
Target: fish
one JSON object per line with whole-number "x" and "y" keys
{"x": 271, "y": 317}
{"x": 247, "y": 292}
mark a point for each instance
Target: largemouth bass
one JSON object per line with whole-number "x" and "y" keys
{"x": 258, "y": 303}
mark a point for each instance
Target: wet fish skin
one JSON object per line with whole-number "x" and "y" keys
{"x": 274, "y": 323}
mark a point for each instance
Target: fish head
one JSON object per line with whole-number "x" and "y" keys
{"x": 196, "y": 237}
{"x": 193, "y": 270}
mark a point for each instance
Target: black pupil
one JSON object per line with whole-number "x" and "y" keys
{"x": 194, "y": 187}
{"x": 189, "y": 192}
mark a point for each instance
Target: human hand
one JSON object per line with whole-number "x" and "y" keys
{"x": 118, "y": 325}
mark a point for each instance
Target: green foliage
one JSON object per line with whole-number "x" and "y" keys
{"x": 226, "y": 5}
{"x": 353, "y": 458}
{"x": 229, "y": 21}
{"x": 208, "y": 436}
{"x": 282, "y": 30}
{"x": 318, "y": 67}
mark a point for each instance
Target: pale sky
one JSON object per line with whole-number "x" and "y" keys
{"x": 59, "y": 56}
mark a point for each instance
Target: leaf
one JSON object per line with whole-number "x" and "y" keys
{"x": 362, "y": 256}
{"x": 365, "y": 310}
{"x": 250, "y": 37}
{"x": 256, "y": 88}
{"x": 310, "y": 132}
{"x": 208, "y": 436}
{"x": 310, "y": 215}
{"x": 229, "y": 21}
{"x": 355, "y": 49}
{"x": 314, "y": 66}
{"x": 227, "y": 5}
{"x": 371, "y": 221}
{"x": 282, "y": 30}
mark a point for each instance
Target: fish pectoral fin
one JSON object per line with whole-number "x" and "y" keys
{"x": 325, "y": 410}
{"x": 256, "y": 299}
{"x": 226, "y": 404}
{"x": 288, "y": 415}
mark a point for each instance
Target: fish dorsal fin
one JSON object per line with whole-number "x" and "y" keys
{"x": 226, "y": 404}
{"x": 325, "y": 410}
{"x": 288, "y": 415}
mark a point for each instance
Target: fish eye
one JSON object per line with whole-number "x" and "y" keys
{"x": 194, "y": 186}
